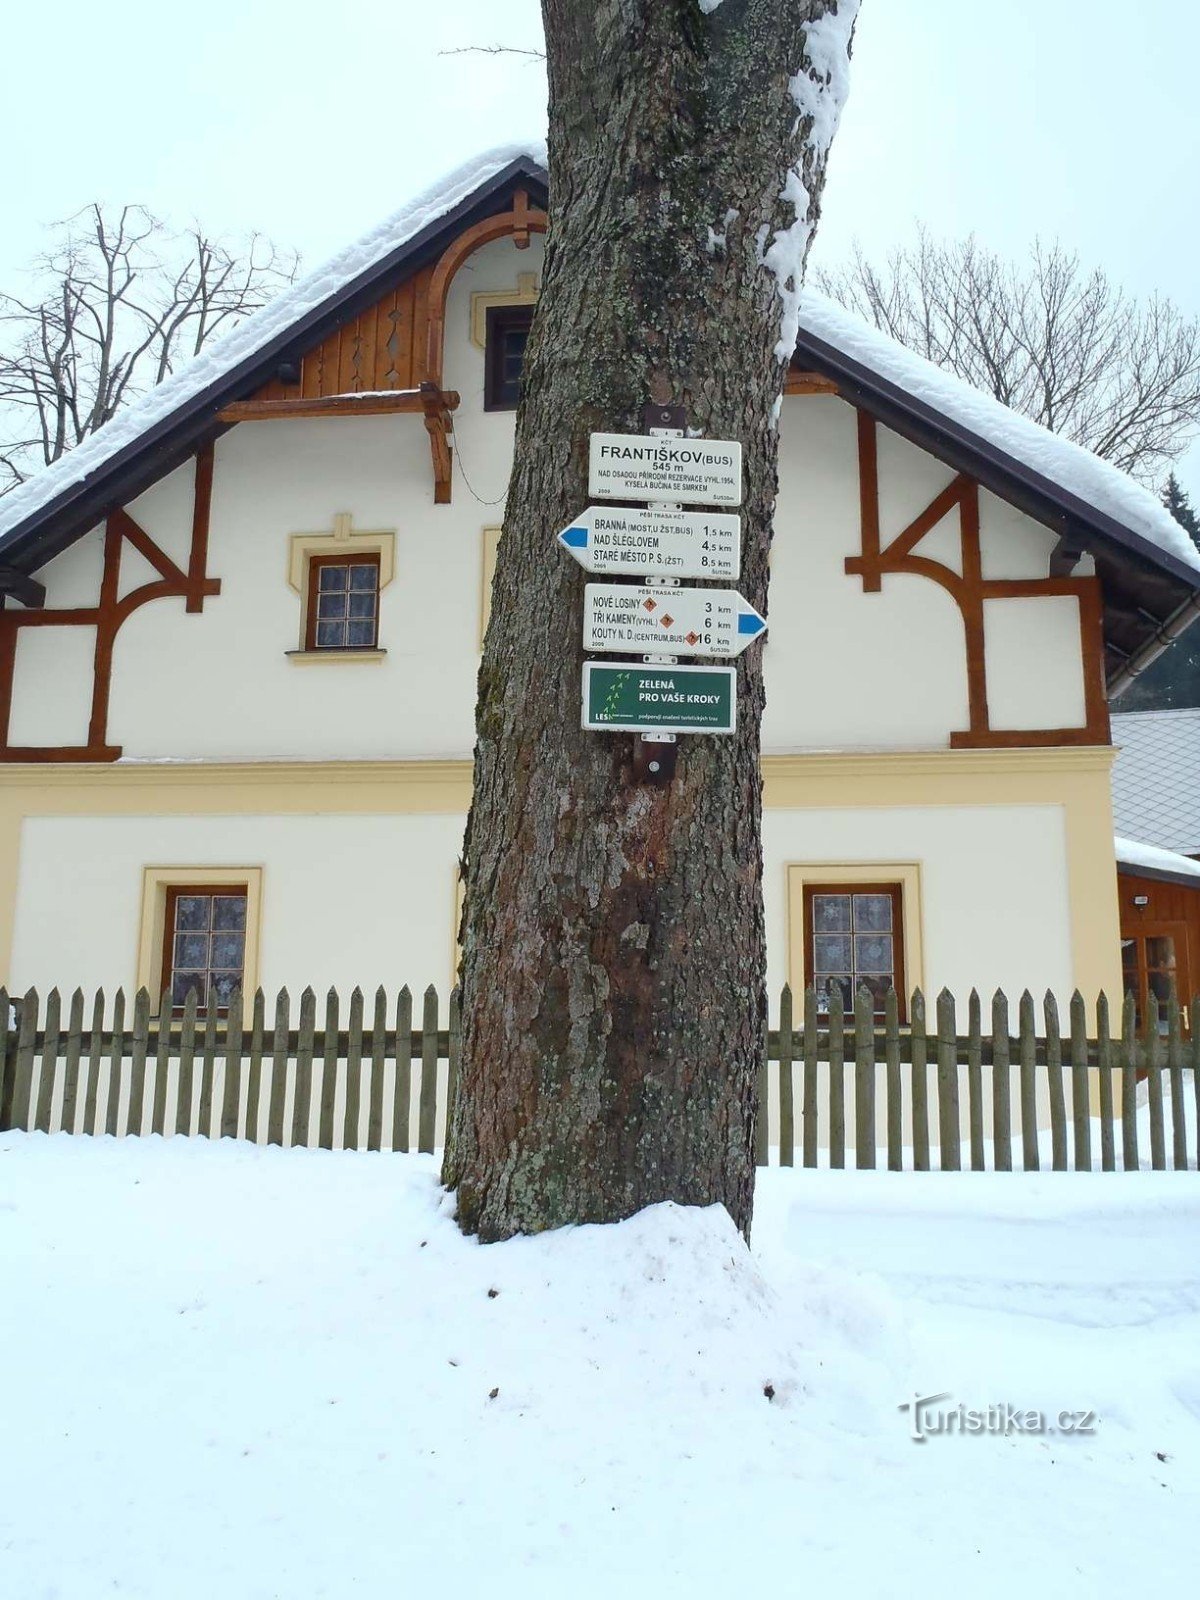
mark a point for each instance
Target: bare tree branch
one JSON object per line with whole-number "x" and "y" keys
{"x": 494, "y": 50}
{"x": 1063, "y": 345}
{"x": 118, "y": 302}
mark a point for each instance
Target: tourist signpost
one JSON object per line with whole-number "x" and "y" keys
{"x": 695, "y": 472}
{"x": 655, "y": 621}
{"x": 660, "y": 544}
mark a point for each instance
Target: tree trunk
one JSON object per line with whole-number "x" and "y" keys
{"x": 614, "y": 1004}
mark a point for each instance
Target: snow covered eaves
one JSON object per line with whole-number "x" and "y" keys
{"x": 157, "y": 432}
{"x": 1153, "y": 573}
{"x": 1149, "y": 861}
{"x": 1060, "y": 482}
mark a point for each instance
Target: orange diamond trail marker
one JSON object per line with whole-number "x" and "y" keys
{"x": 700, "y": 622}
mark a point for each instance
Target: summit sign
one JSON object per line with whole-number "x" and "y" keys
{"x": 705, "y": 472}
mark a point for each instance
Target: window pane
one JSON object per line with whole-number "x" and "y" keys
{"x": 831, "y": 954}
{"x": 229, "y": 911}
{"x": 191, "y": 950}
{"x": 223, "y": 984}
{"x": 330, "y": 634}
{"x": 1160, "y": 953}
{"x": 1159, "y": 983}
{"x": 877, "y": 987}
{"x": 831, "y": 913}
{"x": 1129, "y": 954}
{"x": 364, "y": 577}
{"x": 872, "y": 913}
{"x": 331, "y": 579}
{"x": 185, "y": 983}
{"x": 362, "y": 605}
{"x": 192, "y": 911}
{"x": 513, "y": 353}
{"x": 331, "y": 605}
{"x": 361, "y": 633}
{"x": 873, "y": 952}
{"x": 226, "y": 952}
{"x": 825, "y": 986}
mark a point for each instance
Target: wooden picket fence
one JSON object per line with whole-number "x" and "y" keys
{"x": 1008, "y": 1083}
{"x": 231, "y": 1074}
{"x": 896, "y": 1094}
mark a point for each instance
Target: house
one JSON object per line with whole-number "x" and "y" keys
{"x": 1156, "y": 810}
{"x": 241, "y": 631}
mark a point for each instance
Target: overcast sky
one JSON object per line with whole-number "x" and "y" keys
{"x": 1069, "y": 119}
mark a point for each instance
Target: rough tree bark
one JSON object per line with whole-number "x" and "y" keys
{"x": 614, "y": 1001}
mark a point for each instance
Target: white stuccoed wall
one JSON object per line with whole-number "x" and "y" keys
{"x": 844, "y": 668}
{"x": 981, "y": 869}
{"x": 371, "y": 900}
{"x": 364, "y": 901}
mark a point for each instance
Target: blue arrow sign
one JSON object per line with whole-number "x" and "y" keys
{"x": 654, "y": 542}
{"x": 652, "y": 619}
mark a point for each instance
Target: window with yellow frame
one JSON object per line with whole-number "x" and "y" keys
{"x": 855, "y": 925}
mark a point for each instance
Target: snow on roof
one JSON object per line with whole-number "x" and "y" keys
{"x": 258, "y": 330}
{"x": 1094, "y": 481}
{"x": 1156, "y": 777}
{"x": 1131, "y": 853}
{"x": 1079, "y": 471}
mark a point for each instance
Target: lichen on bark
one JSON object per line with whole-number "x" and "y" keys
{"x": 614, "y": 1004}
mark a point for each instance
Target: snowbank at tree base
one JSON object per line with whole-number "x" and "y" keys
{"x": 248, "y": 1372}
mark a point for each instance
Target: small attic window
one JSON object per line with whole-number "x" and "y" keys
{"x": 504, "y": 355}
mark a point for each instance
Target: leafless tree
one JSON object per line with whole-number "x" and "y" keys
{"x": 116, "y": 303}
{"x": 1062, "y": 344}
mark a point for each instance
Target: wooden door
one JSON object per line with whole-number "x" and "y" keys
{"x": 1156, "y": 956}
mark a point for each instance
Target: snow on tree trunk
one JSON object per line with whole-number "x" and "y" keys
{"x": 614, "y": 1002}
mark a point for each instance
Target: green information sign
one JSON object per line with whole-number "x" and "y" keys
{"x": 638, "y": 699}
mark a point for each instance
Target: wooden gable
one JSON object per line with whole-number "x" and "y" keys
{"x": 381, "y": 348}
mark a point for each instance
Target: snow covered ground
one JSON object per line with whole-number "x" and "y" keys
{"x": 239, "y": 1372}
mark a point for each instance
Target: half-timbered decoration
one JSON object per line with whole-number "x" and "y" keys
{"x": 115, "y": 604}
{"x": 955, "y": 597}
{"x": 962, "y": 578}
